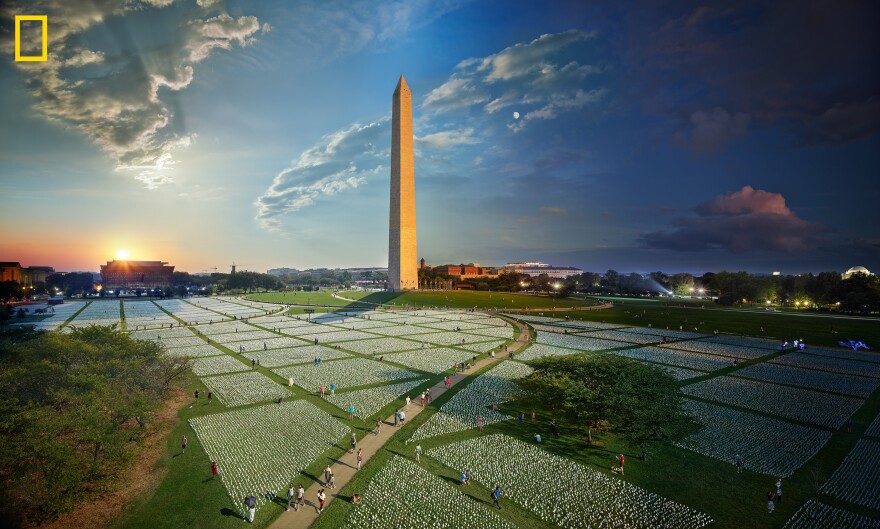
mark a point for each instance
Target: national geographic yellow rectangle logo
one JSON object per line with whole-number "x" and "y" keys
{"x": 44, "y": 19}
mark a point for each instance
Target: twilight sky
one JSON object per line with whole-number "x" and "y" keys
{"x": 675, "y": 136}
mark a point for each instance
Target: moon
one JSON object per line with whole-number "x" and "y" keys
{"x": 516, "y": 115}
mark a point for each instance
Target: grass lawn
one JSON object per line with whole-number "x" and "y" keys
{"x": 466, "y": 299}
{"x": 321, "y": 297}
{"x": 815, "y": 328}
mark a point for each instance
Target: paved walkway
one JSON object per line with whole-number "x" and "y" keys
{"x": 345, "y": 468}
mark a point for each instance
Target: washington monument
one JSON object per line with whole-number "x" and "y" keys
{"x": 402, "y": 266}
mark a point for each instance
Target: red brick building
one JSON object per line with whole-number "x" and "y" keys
{"x": 129, "y": 275}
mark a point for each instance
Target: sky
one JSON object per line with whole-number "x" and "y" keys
{"x": 667, "y": 135}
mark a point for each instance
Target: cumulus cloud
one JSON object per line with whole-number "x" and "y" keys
{"x": 711, "y": 130}
{"x": 457, "y": 114}
{"x": 116, "y": 100}
{"x": 340, "y": 161}
{"x": 742, "y": 221}
{"x": 449, "y": 138}
{"x": 527, "y": 75}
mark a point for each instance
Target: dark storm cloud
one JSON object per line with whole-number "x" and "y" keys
{"x": 740, "y": 222}
{"x": 811, "y": 62}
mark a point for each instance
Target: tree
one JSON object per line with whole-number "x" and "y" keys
{"x": 639, "y": 402}
{"x": 9, "y": 290}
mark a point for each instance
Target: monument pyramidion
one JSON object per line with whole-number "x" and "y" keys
{"x": 402, "y": 261}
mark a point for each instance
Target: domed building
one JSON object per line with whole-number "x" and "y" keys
{"x": 856, "y": 270}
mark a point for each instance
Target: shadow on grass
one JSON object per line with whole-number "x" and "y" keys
{"x": 225, "y": 511}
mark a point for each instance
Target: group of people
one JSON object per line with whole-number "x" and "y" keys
{"x": 322, "y": 389}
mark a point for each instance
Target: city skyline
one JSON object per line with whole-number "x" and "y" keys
{"x": 678, "y": 137}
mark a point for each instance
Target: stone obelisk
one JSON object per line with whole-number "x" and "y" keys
{"x": 402, "y": 261}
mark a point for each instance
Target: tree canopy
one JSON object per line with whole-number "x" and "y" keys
{"x": 74, "y": 407}
{"x": 637, "y": 401}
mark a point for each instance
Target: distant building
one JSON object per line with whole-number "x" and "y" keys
{"x": 282, "y": 271}
{"x": 534, "y": 269}
{"x": 856, "y": 270}
{"x": 27, "y": 276}
{"x": 130, "y": 275}
{"x": 10, "y": 271}
{"x": 465, "y": 271}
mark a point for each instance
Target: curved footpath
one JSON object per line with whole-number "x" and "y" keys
{"x": 345, "y": 467}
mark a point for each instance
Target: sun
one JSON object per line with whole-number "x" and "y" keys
{"x": 122, "y": 254}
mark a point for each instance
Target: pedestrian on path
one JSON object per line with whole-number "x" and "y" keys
{"x": 291, "y": 494}
{"x": 407, "y": 401}
{"x": 209, "y": 396}
{"x": 378, "y": 426}
{"x": 397, "y": 419}
{"x": 321, "y": 499}
{"x": 327, "y": 474}
{"x": 480, "y": 422}
{"x": 402, "y": 417}
{"x": 332, "y": 480}
{"x": 351, "y": 415}
{"x": 183, "y": 444}
{"x": 554, "y": 428}
{"x": 322, "y": 391}
{"x": 496, "y": 495}
{"x": 360, "y": 457}
{"x": 418, "y": 453}
{"x": 300, "y": 497}
{"x": 213, "y": 469}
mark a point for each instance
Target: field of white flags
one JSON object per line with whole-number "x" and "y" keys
{"x": 848, "y": 354}
{"x": 370, "y": 400}
{"x": 398, "y": 330}
{"x": 539, "y": 350}
{"x": 821, "y": 409}
{"x": 475, "y": 400}
{"x": 194, "y": 351}
{"x": 97, "y": 313}
{"x": 827, "y": 363}
{"x": 144, "y": 315}
{"x": 746, "y": 341}
{"x": 622, "y": 335}
{"x": 817, "y": 515}
{"x": 857, "y": 479}
{"x": 403, "y": 495}
{"x": 732, "y": 351}
{"x": 821, "y": 380}
{"x": 482, "y": 347}
{"x": 561, "y": 491}
{"x": 293, "y": 355}
{"x": 380, "y": 346}
{"x": 335, "y": 335}
{"x": 245, "y": 388}
{"x": 161, "y": 334}
{"x": 673, "y": 357}
{"x": 344, "y": 373}
{"x": 769, "y": 446}
{"x": 581, "y": 343}
{"x": 505, "y": 332}
{"x": 433, "y": 360}
{"x": 680, "y": 373}
{"x": 874, "y": 428}
{"x": 230, "y": 337}
{"x": 259, "y": 450}
{"x": 188, "y": 312}
{"x": 217, "y": 365}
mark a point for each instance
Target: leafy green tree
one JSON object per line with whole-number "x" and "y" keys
{"x": 639, "y": 402}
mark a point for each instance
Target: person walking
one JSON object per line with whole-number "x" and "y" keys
{"x": 621, "y": 459}
{"x": 407, "y": 401}
{"x": 353, "y": 443}
{"x": 197, "y": 394}
{"x": 480, "y": 422}
{"x": 213, "y": 469}
{"x": 209, "y": 396}
{"x": 418, "y": 453}
{"x": 496, "y": 495}
{"x": 351, "y": 414}
{"x": 327, "y": 473}
{"x": 333, "y": 389}
{"x": 322, "y": 391}
{"x": 402, "y": 416}
{"x": 251, "y": 504}
{"x": 378, "y": 426}
{"x": 321, "y": 499}
{"x": 738, "y": 461}
{"x": 397, "y": 419}
{"x": 183, "y": 444}
{"x": 300, "y": 497}
{"x": 779, "y": 490}
{"x": 360, "y": 457}
{"x": 554, "y": 428}
{"x": 291, "y": 494}
{"x": 770, "y": 505}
